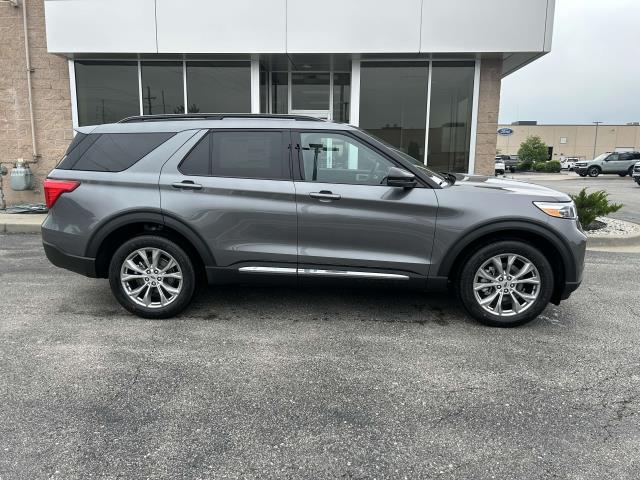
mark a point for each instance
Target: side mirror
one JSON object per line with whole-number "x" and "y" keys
{"x": 398, "y": 177}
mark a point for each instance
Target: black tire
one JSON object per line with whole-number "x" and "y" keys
{"x": 630, "y": 172}
{"x": 638, "y": 181}
{"x": 184, "y": 268}
{"x": 623, "y": 174}
{"x": 593, "y": 171}
{"x": 473, "y": 264}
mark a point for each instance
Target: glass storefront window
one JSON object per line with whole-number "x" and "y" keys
{"x": 279, "y": 92}
{"x": 393, "y": 103}
{"x": 309, "y": 91}
{"x": 106, "y": 91}
{"x": 450, "y": 116}
{"x": 219, "y": 87}
{"x": 341, "y": 97}
{"x": 162, "y": 88}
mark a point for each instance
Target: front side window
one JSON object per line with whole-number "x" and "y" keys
{"x": 336, "y": 158}
{"x": 612, "y": 158}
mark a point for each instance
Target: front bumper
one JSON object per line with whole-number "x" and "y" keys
{"x": 83, "y": 265}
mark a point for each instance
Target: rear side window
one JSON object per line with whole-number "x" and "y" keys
{"x": 198, "y": 160}
{"x": 239, "y": 154}
{"x": 111, "y": 152}
{"x": 249, "y": 155}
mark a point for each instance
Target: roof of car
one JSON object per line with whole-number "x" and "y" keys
{"x": 180, "y": 122}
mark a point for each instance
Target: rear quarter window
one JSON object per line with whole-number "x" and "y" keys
{"x": 110, "y": 152}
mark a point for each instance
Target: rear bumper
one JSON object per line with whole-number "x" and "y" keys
{"x": 83, "y": 265}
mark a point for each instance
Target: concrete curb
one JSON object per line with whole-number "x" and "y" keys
{"x": 628, "y": 241}
{"x": 21, "y": 223}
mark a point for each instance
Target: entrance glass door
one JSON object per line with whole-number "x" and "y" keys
{"x": 310, "y": 94}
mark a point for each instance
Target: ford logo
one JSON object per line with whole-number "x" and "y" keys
{"x": 505, "y": 131}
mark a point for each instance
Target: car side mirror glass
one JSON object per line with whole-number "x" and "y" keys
{"x": 399, "y": 177}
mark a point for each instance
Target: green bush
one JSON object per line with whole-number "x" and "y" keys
{"x": 539, "y": 166}
{"x": 533, "y": 149}
{"x": 552, "y": 166}
{"x": 592, "y": 205}
{"x": 524, "y": 166}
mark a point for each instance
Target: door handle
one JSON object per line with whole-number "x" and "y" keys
{"x": 325, "y": 195}
{"x": 187, "y": 185}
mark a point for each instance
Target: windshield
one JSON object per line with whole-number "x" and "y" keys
{"x": 437, "y": 178}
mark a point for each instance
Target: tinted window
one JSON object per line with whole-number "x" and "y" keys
{"x": 334, "y": 158}
{"x": 112, "y": 152}
{"x": 393, "y": 103}
{"x": 625, "y": 156}
{"x": 74, "y": 152}
{"x": 106, "y": 91}
{"x": 249, "y": 155}
{"x": 219, "y": 87}
{"x": 162, "y": 87}
{"x": 197, "y": 161}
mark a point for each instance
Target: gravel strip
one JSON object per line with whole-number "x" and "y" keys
{"x": 615, "y": 228}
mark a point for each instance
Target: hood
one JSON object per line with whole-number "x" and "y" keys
{"x": 510, "y": 187}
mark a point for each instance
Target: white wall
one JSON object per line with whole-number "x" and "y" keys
{"x": 106, "y": 26}
{"x": 298, "y": 26}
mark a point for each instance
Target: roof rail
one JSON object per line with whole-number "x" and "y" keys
{"x": 214, "y": 116}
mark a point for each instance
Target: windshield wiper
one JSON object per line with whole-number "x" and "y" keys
{"x": 449, "y": 176}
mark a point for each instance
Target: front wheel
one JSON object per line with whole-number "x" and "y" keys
{"x": 593, "y": 171}
{"x": 506, "y": 284}
{"x": 152, "y": 277}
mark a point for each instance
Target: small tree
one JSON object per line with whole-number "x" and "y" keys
{"x": 592, "y": 205}
{"x": 533, "y": 149}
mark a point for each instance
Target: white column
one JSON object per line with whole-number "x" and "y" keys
{"x": 426, "y": 124}
{"x": 255, "y": 86}
{"x": 74, "y": 97}
{"x": 140, "y": 88}
{"x": 184, "y": 86}
{"x": 474, "y": 118}
{"x": 354, "y": 111}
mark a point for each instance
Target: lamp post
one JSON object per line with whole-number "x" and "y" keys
{"x": 595, "y": 141}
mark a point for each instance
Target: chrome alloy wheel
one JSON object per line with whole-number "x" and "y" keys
{"x": 151, "y": 277}
{"x": 506, "y": 284}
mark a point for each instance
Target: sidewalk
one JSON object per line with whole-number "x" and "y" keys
{"x": 21, "y": 222}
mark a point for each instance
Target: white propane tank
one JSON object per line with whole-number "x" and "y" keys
{"x": 21, "y": 176}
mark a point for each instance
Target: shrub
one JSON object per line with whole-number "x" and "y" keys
{"x": 523, "y": 166}
{"x": 539, "y": 166}
{"x": 592, "y": 205}
{"x": 533, "y": 149}
{"x": 552, "y": 166}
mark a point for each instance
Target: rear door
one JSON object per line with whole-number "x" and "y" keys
{"x": 350, "y": 223}
{"x": 234, "y": 189}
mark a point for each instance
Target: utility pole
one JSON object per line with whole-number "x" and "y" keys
{"x": 595, "y": 141}
{"x": 148, "y": 98}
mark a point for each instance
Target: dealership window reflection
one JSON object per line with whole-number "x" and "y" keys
{"x": 450, "y": 116}
{"x": 162, "y": 88}
{"x": 106, "y": 91}
{"x": 393, "y": 103}
{"x": 219, "y": 87}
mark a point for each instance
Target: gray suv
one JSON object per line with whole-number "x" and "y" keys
{"x": 617, "y": 162}
{"x": 161, "y": 204}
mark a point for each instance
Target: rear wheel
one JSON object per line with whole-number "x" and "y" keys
{"x": 623, "y": 174}
{"x": 506, "y": 284}
{"x": 152, "y": 277}
{"x": 593, "y": 171}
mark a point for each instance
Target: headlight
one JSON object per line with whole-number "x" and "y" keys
{"x": 558, "y": 209}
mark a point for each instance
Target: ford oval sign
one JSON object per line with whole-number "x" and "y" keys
{"x": 505, "y": 131}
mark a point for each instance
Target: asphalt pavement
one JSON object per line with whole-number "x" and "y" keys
{"x": 273, "y": 383}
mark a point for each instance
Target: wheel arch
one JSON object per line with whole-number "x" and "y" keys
{"x": 114, "y": 231}
{"x": 539, "y": 236}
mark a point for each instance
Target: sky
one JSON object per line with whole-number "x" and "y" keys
{"x": 592, "y": 72}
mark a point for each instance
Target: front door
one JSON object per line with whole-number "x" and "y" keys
{"x": 349, "y": 220}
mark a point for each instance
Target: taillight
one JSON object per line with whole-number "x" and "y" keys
{"x": 54, "y": 188}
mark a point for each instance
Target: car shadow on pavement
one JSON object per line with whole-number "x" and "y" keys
{"x": 380, "y": 304}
